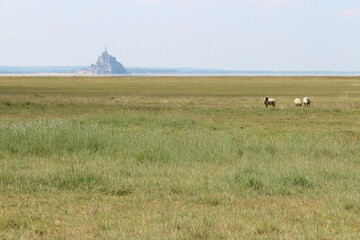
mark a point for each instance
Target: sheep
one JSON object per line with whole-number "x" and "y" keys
{"x": 269, "y": 101}
{"x": 307, "y": 101}
{"x": 297, "y": 102}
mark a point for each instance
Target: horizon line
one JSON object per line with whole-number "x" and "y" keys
{"x": 190, "y": 68}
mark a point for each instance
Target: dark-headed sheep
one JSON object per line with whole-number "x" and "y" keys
{"x": 297, "y": 102}
{"x": 269, "y": 101}
{"x": 307, "y": 101}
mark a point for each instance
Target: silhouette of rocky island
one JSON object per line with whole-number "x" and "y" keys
{"x": 106, "y": 64}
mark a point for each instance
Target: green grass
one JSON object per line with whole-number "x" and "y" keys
{"x": 179, "y": 158}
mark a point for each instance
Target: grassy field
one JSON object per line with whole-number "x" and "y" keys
{"x": 179, "y": 158}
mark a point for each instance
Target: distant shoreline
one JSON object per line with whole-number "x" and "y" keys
{"x": 155, "y": 71}
{"x": 307, "y": 74}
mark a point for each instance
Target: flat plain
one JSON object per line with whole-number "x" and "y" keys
{"x": 179, "y": 158}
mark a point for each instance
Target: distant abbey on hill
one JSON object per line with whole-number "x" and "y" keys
{"x": 106, "y": 64}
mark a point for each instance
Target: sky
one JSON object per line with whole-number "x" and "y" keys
{"x": 279, "y": 35}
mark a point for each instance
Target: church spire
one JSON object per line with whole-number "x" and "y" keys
{"x": 105, "y": 49}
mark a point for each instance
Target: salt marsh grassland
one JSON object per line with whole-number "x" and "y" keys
{"x": 179, "y": 158}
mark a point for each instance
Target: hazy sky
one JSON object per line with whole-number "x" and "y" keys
{"x": 225, "y": 34}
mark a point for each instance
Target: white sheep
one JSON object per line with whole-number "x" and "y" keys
{"x": 269, "y": 101}
{"x": 307, "y": 101}
{"x": 297, "y": 102}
